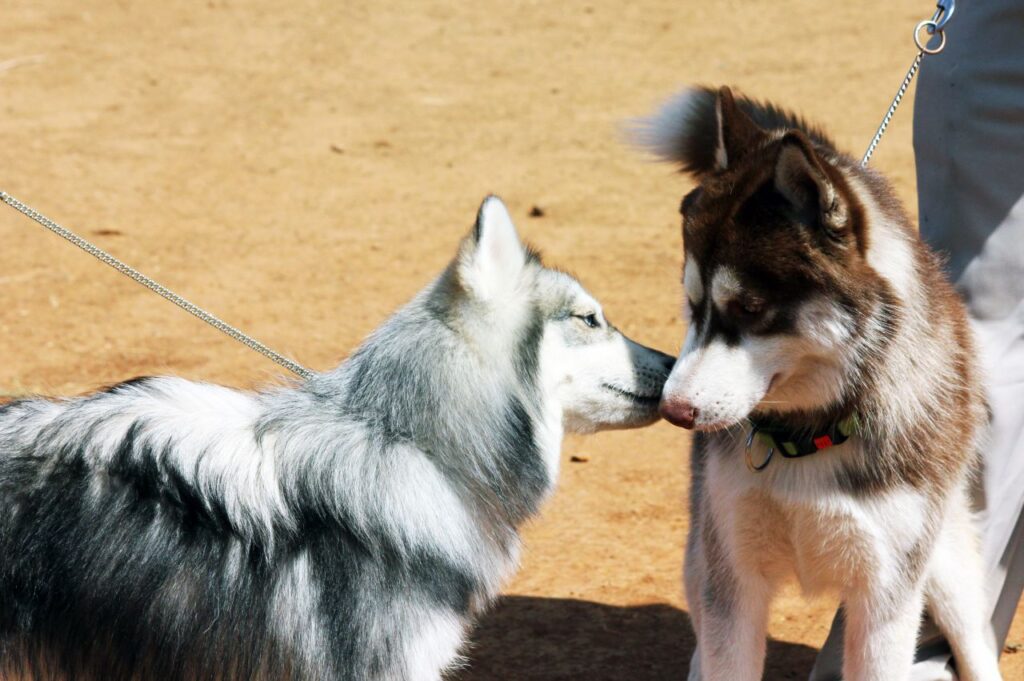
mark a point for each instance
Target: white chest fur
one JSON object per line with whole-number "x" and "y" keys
{"x": 794, "y": 519}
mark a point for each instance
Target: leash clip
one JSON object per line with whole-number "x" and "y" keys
{"x": 943, "y": 13}
{"x": 757, "y": 468}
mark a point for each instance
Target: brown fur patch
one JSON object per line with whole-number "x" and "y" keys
{"x": 786, "y": 253}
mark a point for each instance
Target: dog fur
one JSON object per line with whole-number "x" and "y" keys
{"x": 347, "y": 528}
{"x": 810, "y": 297}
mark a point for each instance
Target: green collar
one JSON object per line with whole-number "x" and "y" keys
{"x": 795, "y": 443}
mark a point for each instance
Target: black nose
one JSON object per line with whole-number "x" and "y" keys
{"x": 666, "y": 360}
{"x": 678, "y": 412}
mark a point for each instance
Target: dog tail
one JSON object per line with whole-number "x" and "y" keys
{"x": 687, "y": 129}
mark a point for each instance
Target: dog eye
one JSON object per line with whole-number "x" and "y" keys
{"x": 746, "y": 309}
{"x": 589, "y": 319}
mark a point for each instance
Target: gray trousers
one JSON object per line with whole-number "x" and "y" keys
{"x": 969, "y": 148}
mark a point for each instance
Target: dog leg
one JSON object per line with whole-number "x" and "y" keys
{"x": 693, "y": 583}
{"x": 729, "y": 606}
{"x": 881, "y": 630}
{"x": 956, "y": 599}
{"x": 733, "y": 627}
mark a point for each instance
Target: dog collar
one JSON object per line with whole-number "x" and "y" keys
{"x": 795, "y": 443}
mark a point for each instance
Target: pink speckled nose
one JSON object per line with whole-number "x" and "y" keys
{"x": 678, "y": 412}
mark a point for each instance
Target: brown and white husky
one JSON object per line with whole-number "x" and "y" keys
{"x": 829, "y": 375}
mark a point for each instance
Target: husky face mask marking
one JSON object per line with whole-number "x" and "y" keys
{"x": 775, "y": 277}
{"x": 596, "y": 377}
{"x": 601, "y": 378}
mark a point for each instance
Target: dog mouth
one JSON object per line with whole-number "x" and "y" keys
{"x": 646, "y": 400}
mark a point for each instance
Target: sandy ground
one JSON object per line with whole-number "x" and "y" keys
{"x": 303, "y": 168}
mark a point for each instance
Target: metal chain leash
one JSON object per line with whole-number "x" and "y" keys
{"x": 934, "y": 26}
{"x": 892, "y": 109}
{"x": 141, "y": 278}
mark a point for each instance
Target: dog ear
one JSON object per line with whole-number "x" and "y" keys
{"x": 492, "y": 257}
{"x": 801, "y": 178}
{"x": 702, "y": 130}
{"x": 737, "y": 131}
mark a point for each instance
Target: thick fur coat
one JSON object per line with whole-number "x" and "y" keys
{"x": 348, "y": 528}
{"x": 811, "y": 301}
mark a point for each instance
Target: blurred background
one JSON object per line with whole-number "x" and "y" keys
{"x": 302, "y": 168}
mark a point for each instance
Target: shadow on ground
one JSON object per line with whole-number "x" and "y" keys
{"x": 552, "y": 639}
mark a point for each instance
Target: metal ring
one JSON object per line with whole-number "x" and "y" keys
{"x": 757, "y": 468}
{"x": 933, "y": 29}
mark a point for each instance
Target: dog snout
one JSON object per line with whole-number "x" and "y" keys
{"x": 678, "y": 412}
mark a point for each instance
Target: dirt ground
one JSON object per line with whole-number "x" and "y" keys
{"x": 302, "y": 168}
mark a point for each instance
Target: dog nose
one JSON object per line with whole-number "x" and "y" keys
{"x": 678, "y": 412}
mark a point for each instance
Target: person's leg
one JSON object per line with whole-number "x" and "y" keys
{"x": 1002, "y": 343}
{"x": 1013, "y": 586}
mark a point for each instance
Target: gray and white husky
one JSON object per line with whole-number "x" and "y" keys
{"x": 346, "y": 528}
{"x": 828, "y": 370}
